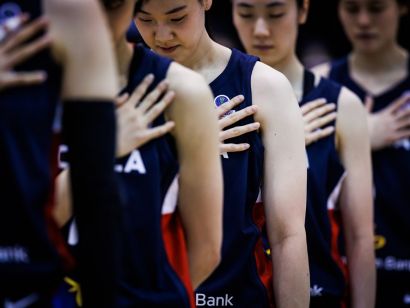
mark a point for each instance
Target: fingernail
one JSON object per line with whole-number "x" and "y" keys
{"x": 149, "y": 78}
{"x": 42, "y": 75}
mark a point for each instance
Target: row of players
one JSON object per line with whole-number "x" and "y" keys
{"x": 264, "y": 256}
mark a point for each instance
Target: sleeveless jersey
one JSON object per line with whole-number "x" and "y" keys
{"x": 324, "y": 181}
{"x": 148, "y": 178}
{"x": 30, "y": 245}
{"x": 391, "y": 178}
{"x": 239, "y": 279}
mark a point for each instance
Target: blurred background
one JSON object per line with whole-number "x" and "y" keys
{"x": 320, "y": 39}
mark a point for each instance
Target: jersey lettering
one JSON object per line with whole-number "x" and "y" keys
{"x": 214, "y": 301}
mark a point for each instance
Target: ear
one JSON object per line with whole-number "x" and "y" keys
{"x": 207, "y": 4}
{"x": 303, "y": 12}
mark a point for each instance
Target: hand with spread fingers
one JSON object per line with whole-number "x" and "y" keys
{"x": 16, "y": 46}
{"x": 227, "y": 119}
{"x": 135, "y": 114}
{"x": 316, "y": 115}
{"x": 390, "y": 124}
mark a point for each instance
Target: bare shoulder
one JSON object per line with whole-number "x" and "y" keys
{"x": 351, "y": 121}
{"x": 273, "y": 94}
{"x": 188, "y": 85}
{"x": 79, "y": 12}
{"x": 76, "y": 23}
{"x": 349, "y": 103}
{"x": 265, "y": 78}
{"x": 321, "y": 69}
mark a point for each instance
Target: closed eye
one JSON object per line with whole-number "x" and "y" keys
{"x": 179, "y": 19}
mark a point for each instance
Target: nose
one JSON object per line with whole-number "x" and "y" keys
{"x": 163, "y": 33}
{"x": 261, "y": 28}
{"x": 363, "y": 18}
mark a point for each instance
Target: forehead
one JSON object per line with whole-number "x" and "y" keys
{"x": 260, "y": 3}
{"x": 165, "y": 6}
{"x": 366, "y": 2}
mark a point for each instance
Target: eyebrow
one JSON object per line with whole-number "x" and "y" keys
{"x": 174, "y": 10}
{"x": 269, "y": 5}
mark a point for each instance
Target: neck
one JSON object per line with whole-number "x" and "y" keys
{"x": 381, "y": 61}
{"x": 124, "y": 53}
{"x": 293, "y": 69}
{"x": 204, "y": 53}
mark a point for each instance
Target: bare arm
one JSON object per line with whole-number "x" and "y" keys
{"x": 284, "y": 184}
{"x": 89, "y": 56}
{"x": 356, "y": 199}
{"x": 81, "y": 44}
{"x": 200, "y": 196}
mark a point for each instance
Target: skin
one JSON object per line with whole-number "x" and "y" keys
{"x": 14, "y": 50}
{"x": 256, "y": 27}
{"x": 81, "y": 62}
{"x": 376, "y": 63}
{"x": 202, "y": 223}
{"x": 181, "y": 35}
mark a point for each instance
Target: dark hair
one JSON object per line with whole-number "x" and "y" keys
{"x": 139, "y": 3}
{"x": 300, "y": 3}
{"x": 112, "y": 4}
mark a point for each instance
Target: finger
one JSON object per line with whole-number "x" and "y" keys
{"x": 320, "y": 122}
{"x": 369, "y": 103}
{"x": 155, "y": 111}
{"x": 153, "y": 96}
{"x": 319, "y": 112}
{"x": 158, "y": 131}
{"x": 26, "y": 33}
{"x": 233, "y": 147}
{"x": 140, "y": 90}
{"x": 306, "y": 108}
{"x": 319, "y": 134}
{"x": 237, "y": 116}
{"x": 397, "y": 104}
{"x": 10, "y": 25}
{"x": 13, "y": 79}
{"x": 21, "y": 54}
{"x": 402, "y": 134}
{"x": 238, "y": 131}
{"x": 403, "y": 123}
{"x": 403, "y": 113}
{"x": 121, "y": 100}
{"x": 224, "y": 108}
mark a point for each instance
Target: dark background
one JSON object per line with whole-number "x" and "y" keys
{"x": 320, "y": 39}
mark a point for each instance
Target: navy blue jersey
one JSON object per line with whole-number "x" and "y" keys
{"x": 29, "y": 258}
{"x": 237, "y": 280}
{"x": 155, "y": 263}
{"x": 148, "y": 180}
{"x": 325, "y": 177}
{"x": 391, "y": 177}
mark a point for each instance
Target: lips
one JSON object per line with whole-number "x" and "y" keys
{"x": 167, "y": 49}
{"x": 263, "y": 47}
{"x": 365, "y": 36}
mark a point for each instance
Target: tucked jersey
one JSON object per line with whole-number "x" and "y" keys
{"x": 30, "y": 246}
{"x": 391, "y": 178}
{"x": 237, "y": 281}
{"x": 324, "y": 181}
